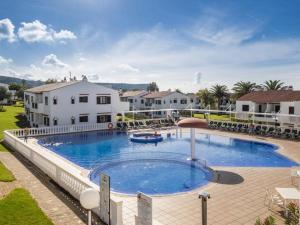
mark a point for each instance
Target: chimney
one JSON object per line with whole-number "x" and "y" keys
{"x": 84, "y": 78}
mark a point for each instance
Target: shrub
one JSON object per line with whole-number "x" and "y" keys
{"x": 2, "y": 109}
{"x": 293, "y": 214}
{"x": 268, "y": 221}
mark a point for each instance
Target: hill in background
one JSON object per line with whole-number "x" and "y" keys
{"x": 34, "y": 83}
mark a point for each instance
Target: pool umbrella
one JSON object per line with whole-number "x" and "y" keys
{"x": 192, "y": 123}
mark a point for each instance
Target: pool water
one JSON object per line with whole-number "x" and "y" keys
{"x": 143, "y": 176}
{"x": 125, "y": 161}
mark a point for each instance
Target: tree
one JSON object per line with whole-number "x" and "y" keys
{"x": 219, "y": 92}
{"x": 14, "y": 86}
{"x": 273, "y": 85}
{"x": 205, "y": 97}
{"x": 4, "y": 93}
{"x": 178, "y": 91}
{"x": 20, "y": 94}
{"x": 50, "y": 81}
{"x": 241, "y": 88}
{"x": 152, "y": 87}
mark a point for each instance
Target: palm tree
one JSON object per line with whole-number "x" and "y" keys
{"x": 241, "y": 88}
{"x": 273, "y": 85}
{"x": 205, "y": 97}
{"x": 219, "y": 92}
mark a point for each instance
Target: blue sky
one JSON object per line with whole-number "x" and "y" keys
{"x": 179, "y": 44}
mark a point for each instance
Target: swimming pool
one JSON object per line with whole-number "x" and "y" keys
{"x": 126, "y": 162}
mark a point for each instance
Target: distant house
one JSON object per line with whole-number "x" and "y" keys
{"x": 135, "y": 99}
{"x": 166, "y": 100}
{"x": 284, "y": 102}
{"x": 73, "y": 102}
{"x": 194, "y": 101}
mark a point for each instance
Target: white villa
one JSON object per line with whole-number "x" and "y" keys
{"x": 280, "y": 106}
{"x": 143, "y": 100}
{"x": 72, "y": 102}
{"x": 135, "y": 99}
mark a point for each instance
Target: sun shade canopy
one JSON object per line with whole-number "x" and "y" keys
{"x": 192, "y": 123}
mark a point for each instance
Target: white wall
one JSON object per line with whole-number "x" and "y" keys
{"x": 239, "y": 105}
{"x": 63, "y": 111}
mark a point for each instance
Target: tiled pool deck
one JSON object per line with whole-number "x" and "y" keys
{"x": 238, "y": 200}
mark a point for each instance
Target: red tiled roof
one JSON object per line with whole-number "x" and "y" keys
{"x": 271, "y": 96}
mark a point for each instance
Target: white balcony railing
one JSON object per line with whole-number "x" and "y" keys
{"x": 58, "y": 129}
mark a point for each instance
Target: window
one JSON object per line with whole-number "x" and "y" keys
{"x": 192, "y": 100}
{"x": 142, "y": 101}
{"x": 183, "y": 101}
{"x": 103, "y": 118}
{"x": 72, "y": 120}
{"x": 32, "y": 117}
{"x": 291, "y": 110}
{"x": 130, "y": 100}
{"x": 27, "y": 98}
{"x": 260, "y": 108}
{"x": 46, "y": 100}
{"x": 277, "y": 108}
{"x": 175, "y": 100}
{"x": 135, "y": 100}
{"x": 158, "y": 102}
{"x": 104, "y": 100}
{"x": 72, "y": 100}
{"x": 54, "y": 122}
{"x": 46, "y": 121}
{"x": 83, "y": 119}
{"x": 31, "y": 98}
{"x": 83, "y": 99}
{"x": 245, "y": 108}
{"x": 54, "y": 101}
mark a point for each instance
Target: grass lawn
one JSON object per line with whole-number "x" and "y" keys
{"x": 19, "y": 208}
{"x": 12, "y": 118}
{"x": 213, "y": 117}
{"x": 5, "y": 174}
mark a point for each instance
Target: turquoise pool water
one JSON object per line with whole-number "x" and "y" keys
{"x": 160, "y": 168}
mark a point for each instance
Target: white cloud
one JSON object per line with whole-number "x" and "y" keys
{"x": 127, "y": 68}
{"x": 5, "y": 61}
{"x": 39, "y": 32}
{"x": 52, "y": 61}
{"x": 198, "y": 76}
{"x": 94, "y": 78}
{"x": 13, "y": 73}
{"x": 7, "y": 30}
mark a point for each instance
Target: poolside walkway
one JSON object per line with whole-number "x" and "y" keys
{"x": 48, "y": 196}
{"x": 238, "y": 200}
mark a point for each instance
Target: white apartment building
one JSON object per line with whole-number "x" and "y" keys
{"x": 72, "y": 102}
{"x": 135, "y": 99}
{"x": 281, "y": 106}
{"x": 143, "y": 100}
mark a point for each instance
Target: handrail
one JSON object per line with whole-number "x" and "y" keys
{"x": 31, "y": 132}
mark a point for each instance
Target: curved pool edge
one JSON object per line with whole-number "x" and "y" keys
{"x": 209, "y": 172}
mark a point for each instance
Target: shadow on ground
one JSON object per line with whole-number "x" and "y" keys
{"x": 227, "y": 177}
{"x": 22, "y": 121}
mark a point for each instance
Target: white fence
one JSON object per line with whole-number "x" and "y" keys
{"x": 63, "y": 173}
{"x": 59, "y": 129}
